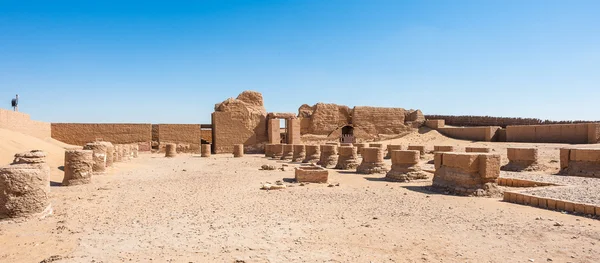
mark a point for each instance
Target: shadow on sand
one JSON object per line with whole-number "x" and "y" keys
{"x": 424, "y": 189}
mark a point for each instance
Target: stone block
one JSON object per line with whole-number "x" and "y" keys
{"x": 560, "y": 205}
{"x": 419, "y": 148}
{"x": 589, "y": 209}
{"x": 569, "y": 207}
{"x": 311, "y": 174}
{"x": 519, "y": 199}
{"x": 489, "y": 166}
{"x": 443, "y": 148}
{"x": 565, "y": 154}
{"x": 526, "y": 199}
{"x": 534, "y": 201}
{"x": 434, "y": 124}
{"x": 551, "y": 204}
{"x": 405, "y": 157}
{"x": 392, "y": 147}
{"x": 477, "y": 150}
{"x": 585, "y": 155}
{"x": 579, "y": 208}
{"x": 542, "y": 202}
{"x": 438, "y": 159}
{"x": 522, "y": 154}
{"x": 464, "y": 161}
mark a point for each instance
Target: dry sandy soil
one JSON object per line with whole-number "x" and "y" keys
{"x": 190, "y": 209}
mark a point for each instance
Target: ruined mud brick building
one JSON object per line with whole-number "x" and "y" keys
{"x": 244, "y": 120}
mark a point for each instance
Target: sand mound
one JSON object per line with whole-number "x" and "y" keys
{"x": 13, "y": 142}
{"x": 425, "y": 136}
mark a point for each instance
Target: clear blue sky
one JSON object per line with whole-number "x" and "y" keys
{"x": 170, "y": 62}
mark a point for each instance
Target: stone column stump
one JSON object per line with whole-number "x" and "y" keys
{"x": 347, "y": 159}
{"x": 405, "y": 167}
{"x": 78, "y": 167}
{"x": 299, "y": 153}
{"x": 288, "y": 152}
{"x": 205, "y": 150}
{"x": 100, "y": 156}
{"x": 313, "y": 154}
{"x": 238, "y": 150}
{"x": 25, "y": 186}
{"x": 329, "y": 156}
{"x": 372, "y": 162}
{"x": 171, "y": 150}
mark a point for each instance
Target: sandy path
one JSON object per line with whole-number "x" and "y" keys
{"x": 151, "y": 209}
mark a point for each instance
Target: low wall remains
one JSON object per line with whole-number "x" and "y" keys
{"x": 580, "y": 162}
{"x": 117, "y": 133}
{"x": 21, "y": 122}
{"x": 556, "y": 133}
{"x": 466, "y": 173}
{"x": 487, "y": 134}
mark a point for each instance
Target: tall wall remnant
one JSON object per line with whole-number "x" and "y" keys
{"x": 366, "y": 122}
{"x": 323, "y": 118}
{"x": 240, "y": 121}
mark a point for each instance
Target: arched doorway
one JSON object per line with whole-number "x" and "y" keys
{"x": 347, "y": 134}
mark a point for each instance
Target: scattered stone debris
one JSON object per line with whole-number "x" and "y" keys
{"x": 267, "y": 167}
{"x": 51, "y": 259}
{"x": 269, "y": 186}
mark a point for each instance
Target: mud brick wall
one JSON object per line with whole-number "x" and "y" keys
{"x": 274, "y": 131}
{"x": 594, "y": 133}
{"x": 487, "y": 134}
{"x": 207, "y": 135}
{"x": 435, "y": 124}
{"x": 376, "y": 120}
{"x": 117, "y": 133}
{"x": 580, "y": 162}
{"x": 230, "y": 130}
{"x": 496, "y": 121}
{"x": 293, "y": 126}
{"x": 557, "y": 133}
{"x": 189, "y": 134}
{"x": 21, "y": 122}
{"x": 323, "y": 118}
{"x": 464, "y": 172}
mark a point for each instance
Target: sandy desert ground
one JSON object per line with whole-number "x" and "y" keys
{"x": 191, "y": 209}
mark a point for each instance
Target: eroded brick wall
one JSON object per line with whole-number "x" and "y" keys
{"x": 207, "y": 135}
{"x": 557, "y": 133}
{"x": 21, "y": 122}
{"x": 230, "y": 129}
{"x": 119, "y": 133}
{"x": 376, "y": 120}
{"x": 487, "y": 134}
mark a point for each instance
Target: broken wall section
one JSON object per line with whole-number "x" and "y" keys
{"x": 486, "y": 134}
{"x": 240, "y": 121}
{"x": 323, "y": 118}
